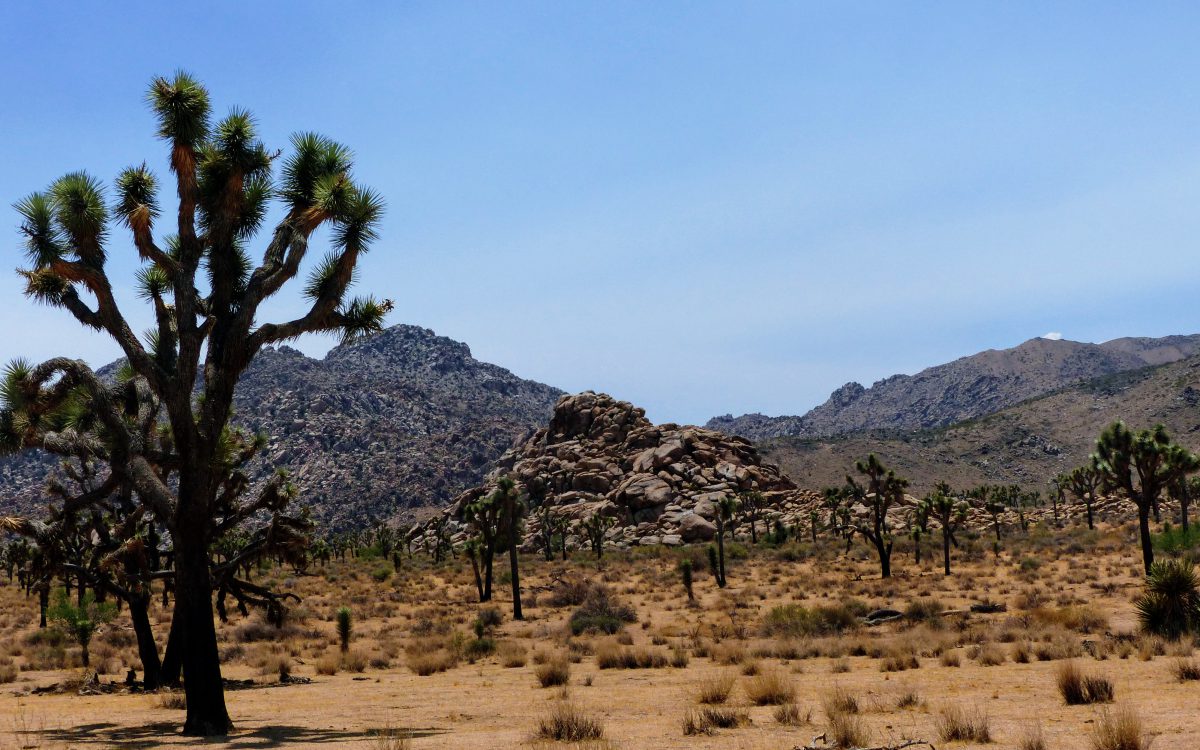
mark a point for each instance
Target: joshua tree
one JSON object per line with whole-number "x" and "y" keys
{"x": 950, "y": 513}
{"x": 751, "y": 504}
{"x": 202, "y": 340}
{"x": 485, "y": 515}
{"x": 726, "y": 508}
{"x": 595, "y": 528}
{"x": 345, "y": 627}
{"x": 1084, "y": 483}
{"x": 685, "y": 573}
{"x": 1183, "y": 489}
{"x": 1170, "y": 605}
{"x": 512, "y": 509}
{"x": 991, "y": 500}
{"x": 80, "y": 621}
{"x": 1141, "y": 465}
{"x": 471, "y": 551}
{"x": 919, "y": 527}
{"x": 882, "y": 490}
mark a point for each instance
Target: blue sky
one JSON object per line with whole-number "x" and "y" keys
{"x": 699, "y": 207}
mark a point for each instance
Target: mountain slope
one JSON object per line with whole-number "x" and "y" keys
{"x": 966, "y": 388}
{"x": 403, "y": 419}
{"x": 1026, "y": 444}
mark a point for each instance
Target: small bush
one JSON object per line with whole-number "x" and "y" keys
{"x": 426, "y": 664}
{"x": 1170, "y": 606}
{"x": 567, "y": 723}
{"x": 328, "y": 664}
{"x": 839, "y": 701}
{"x": 955, "y": 723}
{"x": 8, "y": 671}
{"x": 1119, "y": 729}
{"x": 715, "y": 689}
{"x": 354, "y": 661}
{"x": 950, "y": 659}
{"x": 708, "y": 718}
{"x": 512, "y": 654}
{"x": 601, "y": 612}
{"x": 795, "y": 621}
{"x": 770, "y": 688}
{"x": 1078, "y": 689}
{"x": 615, "y": 657}
{"x": 847, "y": 730}
{"x": 788, "y": 714}
{"x": 553, "y": 673}
{"x": 991, "y": 655}
{"x": 1032, "y": 739}
{"x": 1186, "y": 669}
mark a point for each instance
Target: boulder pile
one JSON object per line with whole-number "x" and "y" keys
{"x": 660, "y": 483}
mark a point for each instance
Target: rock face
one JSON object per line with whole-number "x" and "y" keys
{"x": 402, "y": 419}
{"x": 660, "y": 483}
{"x": 967, "y": 388}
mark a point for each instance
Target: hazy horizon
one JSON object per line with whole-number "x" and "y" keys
{"x": 727, "y": 209}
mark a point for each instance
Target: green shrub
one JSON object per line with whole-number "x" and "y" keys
{"x": 1170, "y": 605}
{"x": 601, "y": 612}
{"x": 794, "y": 621}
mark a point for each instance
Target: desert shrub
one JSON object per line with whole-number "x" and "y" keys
{"x": 839, "y": 701}
{"x": 8, "y": 671}
{"x": 1032, "y": 739}
{"x": 925, "y": 609}
{"x": 1079, "y": 689}
{"x": 345, "y": 627}
{"x": 991, "y": 655}
{"x": 705, "y": 719}
{"x": 794, "y": 621}
{"x": 847, "y": 730}
{"x": 1119, "y": 729}
{"x": 429, "y": 663}
{"x": 956, "y": 723}
{"x": 1170, "y": 605}
{"x": 680, "y": 657}
{"x": 553, "y": 673}
{"x": 950, "y": 658}
{"x": 611, "y": 656}
{"x": 477, "y": 648}
{"x": 488, "y": 619}
{"x": 770, "y": 688}
{"x": 567, "y": 723}
{"x": 390, "y": 738}
{"x": 908, "y": 699}
{"x": 381, "y": 573}
{"x": 328, "y": 664}
{"x": 354, "y": 661}
{"x": 601, "y": 612}
{"x": 898, "y": 661}
{"x": 789, "y": 715}
{"x": 1186, "y": 669}
{"x": 715, "y": 689}
{"x": 728, "y": 653}
{"x": 512, "y": 654}
{"x": 569, "y": 592}
{"x": 172, "y": 701}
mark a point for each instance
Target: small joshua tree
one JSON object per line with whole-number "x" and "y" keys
{"x": 595, "y": 528}
{"x": 1084, "y": 483}
{"x": 882, "y": 490}
{"x": 950, "y": 513}
{"x": 345, "y": 627}
{"x": 751, "y": 504}
{"x": 80, "y": 621}
{"x": 726, "y": 508}
{"x": 685, "y": 573}
{"x": 1170, "y": 606}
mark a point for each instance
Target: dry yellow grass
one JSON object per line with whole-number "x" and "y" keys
{"x": 427, "y": 680}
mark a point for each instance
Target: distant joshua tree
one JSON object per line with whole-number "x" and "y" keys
{"x": 751, "y": 507}
{"x": 1084, "y": 483}
{"x": 595, "y": 528}
{"x": 882, "y": 490}
{"x": 950, "y": 513}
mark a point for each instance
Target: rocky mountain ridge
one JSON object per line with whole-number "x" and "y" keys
{"x": 399, "y": 420}
{"x": 967, "y": 388}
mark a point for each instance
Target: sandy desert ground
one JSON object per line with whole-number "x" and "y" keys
{"x": 1068, "y": 595}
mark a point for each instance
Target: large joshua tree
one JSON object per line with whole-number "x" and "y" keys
{"x": 1141, "y": 465}
{"x": 206, "y": 293}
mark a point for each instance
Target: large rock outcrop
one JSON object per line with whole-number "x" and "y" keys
{"x": 660, "y": 482}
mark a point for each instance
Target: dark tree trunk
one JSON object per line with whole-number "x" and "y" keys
{"x": 206, "y": 712}
{"x": 885, "y": 559}
{"x": 172, "y": 663}
{"x": 753, "y": 531}
{"x": 513, "y": 566}
{"x": 489, "y": 552}
{"x": 1144, "y": 531}
{"x": 43, "y": 604}
{"x": 147, "y": 648}
{"x": 721, "y": 555}
{"x": 1185, "y": 499}
{"x": 946, "y": 552}
{"x": 478, "y": 578}
{"x": 1090, "y": 514}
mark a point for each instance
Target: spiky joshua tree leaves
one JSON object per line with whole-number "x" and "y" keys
{"x": 1170, "y": 605}
{"x": 206, "y": 292}
{"x": 950, "y": 512}
{"x": 1141, "y": 465}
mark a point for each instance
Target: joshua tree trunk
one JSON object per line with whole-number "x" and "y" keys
{"x": 206, "y": 712}
{"x": 1144, "y": 532}
{"x": 147, "y": 649}
{"x": 514, "y": 569}
{"x": 721, "y": 551}
{"x": 946, "y": 551}
{"x": 489, "y": 552}
{"x": 1090, "y": 513}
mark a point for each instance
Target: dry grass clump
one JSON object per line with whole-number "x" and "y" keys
{"x": 433, "y": 662}
{"x": 1032, "y": 739}
{"x": 512, "y": 655}
{"x": 715, "y": 689}
{"x": 847, "y": 730}
{"x": 328, "y": 664}
{"x": 8, "y": 670}
{"x": 956, "y": 723}
{"x": 839, "y": 700}
{"x": 611, "y": 656}
{"x": 553, "y": 673}
{"x": 770, "y": 688}
{"x": 706, "y": 719}
{"x": 950, "y": 658}
{"x": 1119, "y": 729}
{"x": 390, "y": 738}
{"x": 1079, "y": 689}
{"x": 173, "y": 701}
{"x": 1183, "y": 669}
{"x": 568, "y": 723}
{"x": 788, "y": 714}
{"x": 991, "y": 655}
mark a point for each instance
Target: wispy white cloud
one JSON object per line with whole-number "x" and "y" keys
{"x": 1053, "y": 336}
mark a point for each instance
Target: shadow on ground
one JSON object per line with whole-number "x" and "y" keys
{"x": 152, "y": 735}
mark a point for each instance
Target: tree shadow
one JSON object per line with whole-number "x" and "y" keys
{"x": 151, "y": 735}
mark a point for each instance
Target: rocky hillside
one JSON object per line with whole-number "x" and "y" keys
{"x": 403, "y": 419}
{"x": 1026, "y": 444}
{"x": 964, "y": 389}
{"x": 660, "y": 483}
